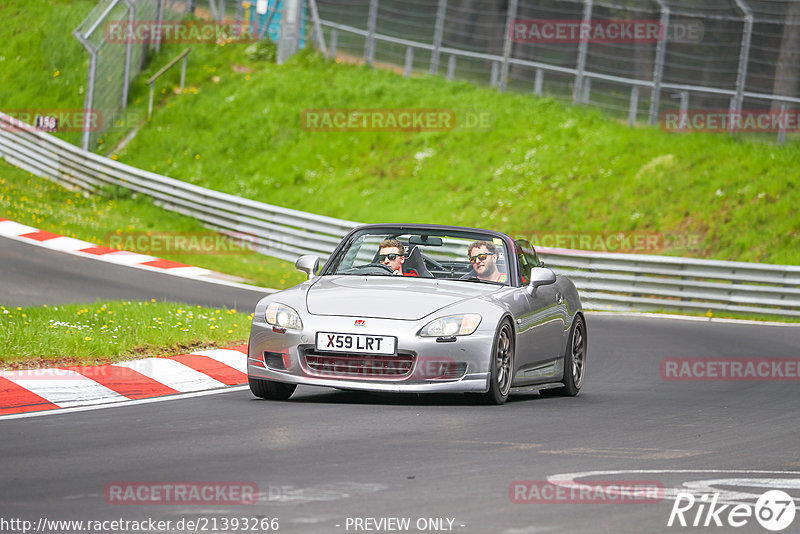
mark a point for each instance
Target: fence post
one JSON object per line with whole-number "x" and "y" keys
{"x": 372, "y": 21}
{"x": 658, "y": 68}
{"x": 88, "y": 101}
{"x": 782, "y": 123}
{"x": 494, "y": 74}
{"x": 183, "y": 72}
{"x": 238, "y": 24}
{"x": 684, "y": 104}
{"x": 508, "y": 44}
{"x": 221, "y": 10}
{"x": 634, "y": 107}
{"x": 744, "y": 58}
{"x": 586, "y": 89}
{"x": 583, "y": 48}
{"x": 538, "y": 82}
{"x": 334, "y": 39}
{"x": 317, "y": 26}
{"x": 289, "y": 39}
{"x": 160, "y": 17}
{"x": 126, "y": 73}
{"x": 451, "y": 67}
{"x": 409, "y": 62}
{"x": 438, "y": 30}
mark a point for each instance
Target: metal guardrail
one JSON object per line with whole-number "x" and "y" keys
{"x": 606, "y": 281}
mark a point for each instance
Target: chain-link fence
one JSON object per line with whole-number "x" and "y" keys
{"x": 113, "y": 63}
{"x": 636, "y": 58}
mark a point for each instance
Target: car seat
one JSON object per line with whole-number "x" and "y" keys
{"x": 415, "y": 265}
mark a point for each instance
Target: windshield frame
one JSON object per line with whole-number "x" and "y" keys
{"x": 510, "y": 250}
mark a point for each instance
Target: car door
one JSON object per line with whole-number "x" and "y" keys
{"x": 540, "y": 323}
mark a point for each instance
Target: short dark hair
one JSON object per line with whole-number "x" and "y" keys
{"x": 389, "y": 243}
{"x": 477, "y": 244}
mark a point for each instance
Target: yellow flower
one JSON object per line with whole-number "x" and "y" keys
{"x": 197, "y": 156}
{"x": 114, "y": 157}
{"x": 87, "y": 338}
{"x": 56, "y": 73}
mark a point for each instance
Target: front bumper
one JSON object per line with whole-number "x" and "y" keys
{"x": 423, "y": 365}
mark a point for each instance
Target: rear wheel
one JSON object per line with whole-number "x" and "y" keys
{"x": 269, "y": 389}
{"x": 502, "y": 365}
{"x": 574, "y": 362}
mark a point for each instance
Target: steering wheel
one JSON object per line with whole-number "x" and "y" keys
{"x": 376, "y": 268}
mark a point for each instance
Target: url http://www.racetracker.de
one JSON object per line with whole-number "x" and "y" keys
{"x": 46, "y": 525}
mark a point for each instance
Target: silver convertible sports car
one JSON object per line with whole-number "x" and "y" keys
{"x": 422, "y": 308}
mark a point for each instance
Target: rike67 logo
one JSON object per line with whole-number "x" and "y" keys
{"x": 774, "y": 510}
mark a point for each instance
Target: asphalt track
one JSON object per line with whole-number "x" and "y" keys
{"x": 326, "y": 455}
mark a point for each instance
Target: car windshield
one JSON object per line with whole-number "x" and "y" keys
{"x": 466, "y": 256}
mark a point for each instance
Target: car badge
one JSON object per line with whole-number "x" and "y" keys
{"x": 360, "y": 322}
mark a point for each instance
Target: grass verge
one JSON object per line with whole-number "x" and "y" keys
{"x": 109, "y": 331}
{"x": 39, "y": 202}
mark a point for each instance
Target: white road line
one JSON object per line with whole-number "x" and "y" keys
{"x": 173, "y": 374}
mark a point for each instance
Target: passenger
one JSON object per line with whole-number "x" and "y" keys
{"x": 483, "y": 257}
{"x": 392, "y": 254}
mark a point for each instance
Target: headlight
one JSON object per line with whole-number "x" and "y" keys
{"x": 282, "y": 315}
{"x": 453, "y": 325}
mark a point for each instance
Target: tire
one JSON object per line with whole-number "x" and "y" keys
{"x": 574, "y": 362}
{"x": 269, "y": 389}
{"x": 501, "y": 368}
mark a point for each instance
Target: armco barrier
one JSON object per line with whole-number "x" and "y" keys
{"x": 606, "y": 281}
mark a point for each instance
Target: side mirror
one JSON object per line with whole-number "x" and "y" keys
{"x": 308, "y": 264}
{"x": 540, "y": 276}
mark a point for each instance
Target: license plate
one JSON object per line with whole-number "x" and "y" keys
{"x": 356, "y": 343}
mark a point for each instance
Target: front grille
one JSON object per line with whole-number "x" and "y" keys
{"x": 358, "y": 365}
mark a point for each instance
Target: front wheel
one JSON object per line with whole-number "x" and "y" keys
{"x": 502, "y": 365}
{"x": 574, "y": 362}
{"x": 269, "y": 389}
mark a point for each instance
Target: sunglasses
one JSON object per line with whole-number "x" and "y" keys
{"x": 481, "y": 257}
{"x": 391, "y": 257}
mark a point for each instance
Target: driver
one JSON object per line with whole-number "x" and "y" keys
{"x": 392, "y": 254}
{"x": 483, "y": 257}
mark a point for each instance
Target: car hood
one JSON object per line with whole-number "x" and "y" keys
{"x": 388, "y": 297}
